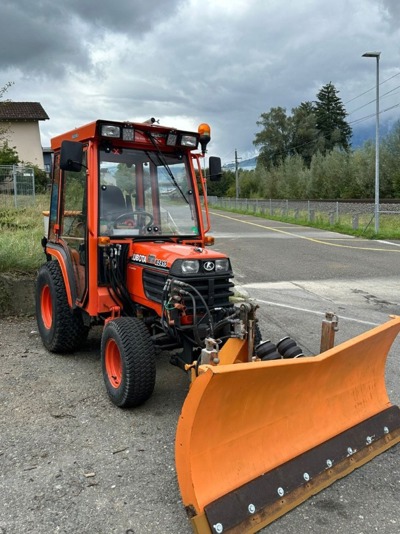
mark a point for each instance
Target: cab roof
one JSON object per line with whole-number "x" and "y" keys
{"x": 92, "y": 130}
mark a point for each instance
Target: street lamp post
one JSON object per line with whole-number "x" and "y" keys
{"x": 377, "y": 56}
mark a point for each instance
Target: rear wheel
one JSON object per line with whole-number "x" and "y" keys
{"x": 128, "y": 361}
{"x": 61, "y": 329}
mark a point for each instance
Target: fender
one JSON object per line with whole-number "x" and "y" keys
{"x": 59, "y": 253}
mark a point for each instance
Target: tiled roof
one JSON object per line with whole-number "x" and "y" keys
{"x": 22, "y": 111}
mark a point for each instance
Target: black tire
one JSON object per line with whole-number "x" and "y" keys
{"x": 128, "y": 361}
{"x": 61, "y": 328}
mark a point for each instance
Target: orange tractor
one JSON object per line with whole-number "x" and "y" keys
{"x": 263, "y": 427}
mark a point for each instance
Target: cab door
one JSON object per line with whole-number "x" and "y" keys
{"x": 68, "y": 224}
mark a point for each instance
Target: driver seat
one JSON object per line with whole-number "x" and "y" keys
{"x": 112, "y": 201}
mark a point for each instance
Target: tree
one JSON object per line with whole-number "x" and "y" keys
{"x": 363, "y": 171}
{"x": 250, "y": 187}
{"x": 275, "y": 138}
{"x": 294, "y": 177}
{"x": 268, "y": 180}
{"x": 331, "y": 175}
{"x": 305, "y": 138}
{"x": 8, "y": 155}
{"x": 390, "y": 163}
{"x": 224, "y": 187}
{"x": 3, "y": 128}
{"x": 331, "y": 119}
{"x": 285, "y": 135}
{"x": 307, "y": 153}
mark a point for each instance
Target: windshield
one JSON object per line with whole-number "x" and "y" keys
{"x": 146, "y": 193}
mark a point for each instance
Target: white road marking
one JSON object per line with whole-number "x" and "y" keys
{"x": 314, "y": 312}
{"x": 388, "y": 242}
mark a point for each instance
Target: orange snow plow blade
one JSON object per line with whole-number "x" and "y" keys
{"x": 256, "y": 439}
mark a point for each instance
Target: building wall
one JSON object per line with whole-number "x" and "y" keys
{"x": 25, "y": 137}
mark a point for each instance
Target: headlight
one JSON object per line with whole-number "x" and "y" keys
{"x": 222, "y": 265}
{"x": 110, "y": 130}
{"x": 189, "y": 140}
{"x": 172, "y": 138}
{"x": 128, "y": 134}
{"x": 190, "y": 266}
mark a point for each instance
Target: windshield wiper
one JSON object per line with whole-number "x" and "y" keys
{"x": 163, "y": 162}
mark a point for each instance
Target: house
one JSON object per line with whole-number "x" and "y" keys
{"x": 21, "y": 119}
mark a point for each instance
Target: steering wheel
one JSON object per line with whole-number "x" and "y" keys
{"x": 141, "y": 218}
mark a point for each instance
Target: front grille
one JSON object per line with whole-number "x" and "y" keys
{"x": 153, "y": 283}
{"x": 215, "y": 290}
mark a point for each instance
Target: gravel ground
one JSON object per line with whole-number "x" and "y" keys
{"x": 71, "y": 462}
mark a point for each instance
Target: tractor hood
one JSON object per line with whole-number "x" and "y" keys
{"x": 164, "y": 254}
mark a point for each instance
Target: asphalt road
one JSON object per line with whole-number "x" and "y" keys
{"x": 70, "y": 462}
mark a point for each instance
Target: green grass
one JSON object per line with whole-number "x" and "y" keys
{"x": 21, "y": 231}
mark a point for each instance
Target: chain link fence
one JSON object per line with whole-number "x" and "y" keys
{"x": 17, "y": 186}
{"x": 358, "y": 214}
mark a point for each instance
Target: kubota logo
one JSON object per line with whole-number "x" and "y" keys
{"x": 209, "y": 266}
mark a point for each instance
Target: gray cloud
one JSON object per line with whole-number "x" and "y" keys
{"x": 392, "y": 10}
{"x": 191, "y": 61}
{"x": 133, "y": 17}
{"x": 47, "y": 38}
{"x": 33, "y": 40}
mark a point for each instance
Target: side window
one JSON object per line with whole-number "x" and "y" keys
{"x": 73, "y": 215}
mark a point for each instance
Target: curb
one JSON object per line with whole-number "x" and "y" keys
{"x": 17, "y": 295}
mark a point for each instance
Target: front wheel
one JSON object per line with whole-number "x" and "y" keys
{"x": 128, "y": 361}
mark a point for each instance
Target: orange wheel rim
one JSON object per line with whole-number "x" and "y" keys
{"x": 46, "y": 307}
{"x": 113, "y": 363}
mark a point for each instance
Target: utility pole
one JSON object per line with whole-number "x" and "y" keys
{"x": 237, "y": 174}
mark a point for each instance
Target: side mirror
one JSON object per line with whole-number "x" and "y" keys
{"x": 71, "y": 156}
{"x": 215, "y": 169}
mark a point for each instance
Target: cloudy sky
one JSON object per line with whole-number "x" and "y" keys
{"x": 189, "y": 61}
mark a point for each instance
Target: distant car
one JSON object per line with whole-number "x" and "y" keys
{"x": 7, "y": 185}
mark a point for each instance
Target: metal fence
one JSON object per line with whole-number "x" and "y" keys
{"x": 360, "y": 214}
{"x": 17, "y": 186}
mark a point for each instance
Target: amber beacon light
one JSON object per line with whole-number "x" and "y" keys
{"x": 205, "y": 136}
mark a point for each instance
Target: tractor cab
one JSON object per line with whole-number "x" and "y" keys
{"x": 129, "y": 203}
{"x": 129, "y": 180}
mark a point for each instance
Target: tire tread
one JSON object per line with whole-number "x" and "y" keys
{"x": 138, "y": 353}
{"x": 69, "y": 330}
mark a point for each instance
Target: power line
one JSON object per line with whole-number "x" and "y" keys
{"x": 371, "y": 101}
{"x": 361, "y": 119}
{"x": 371, "y": 89}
